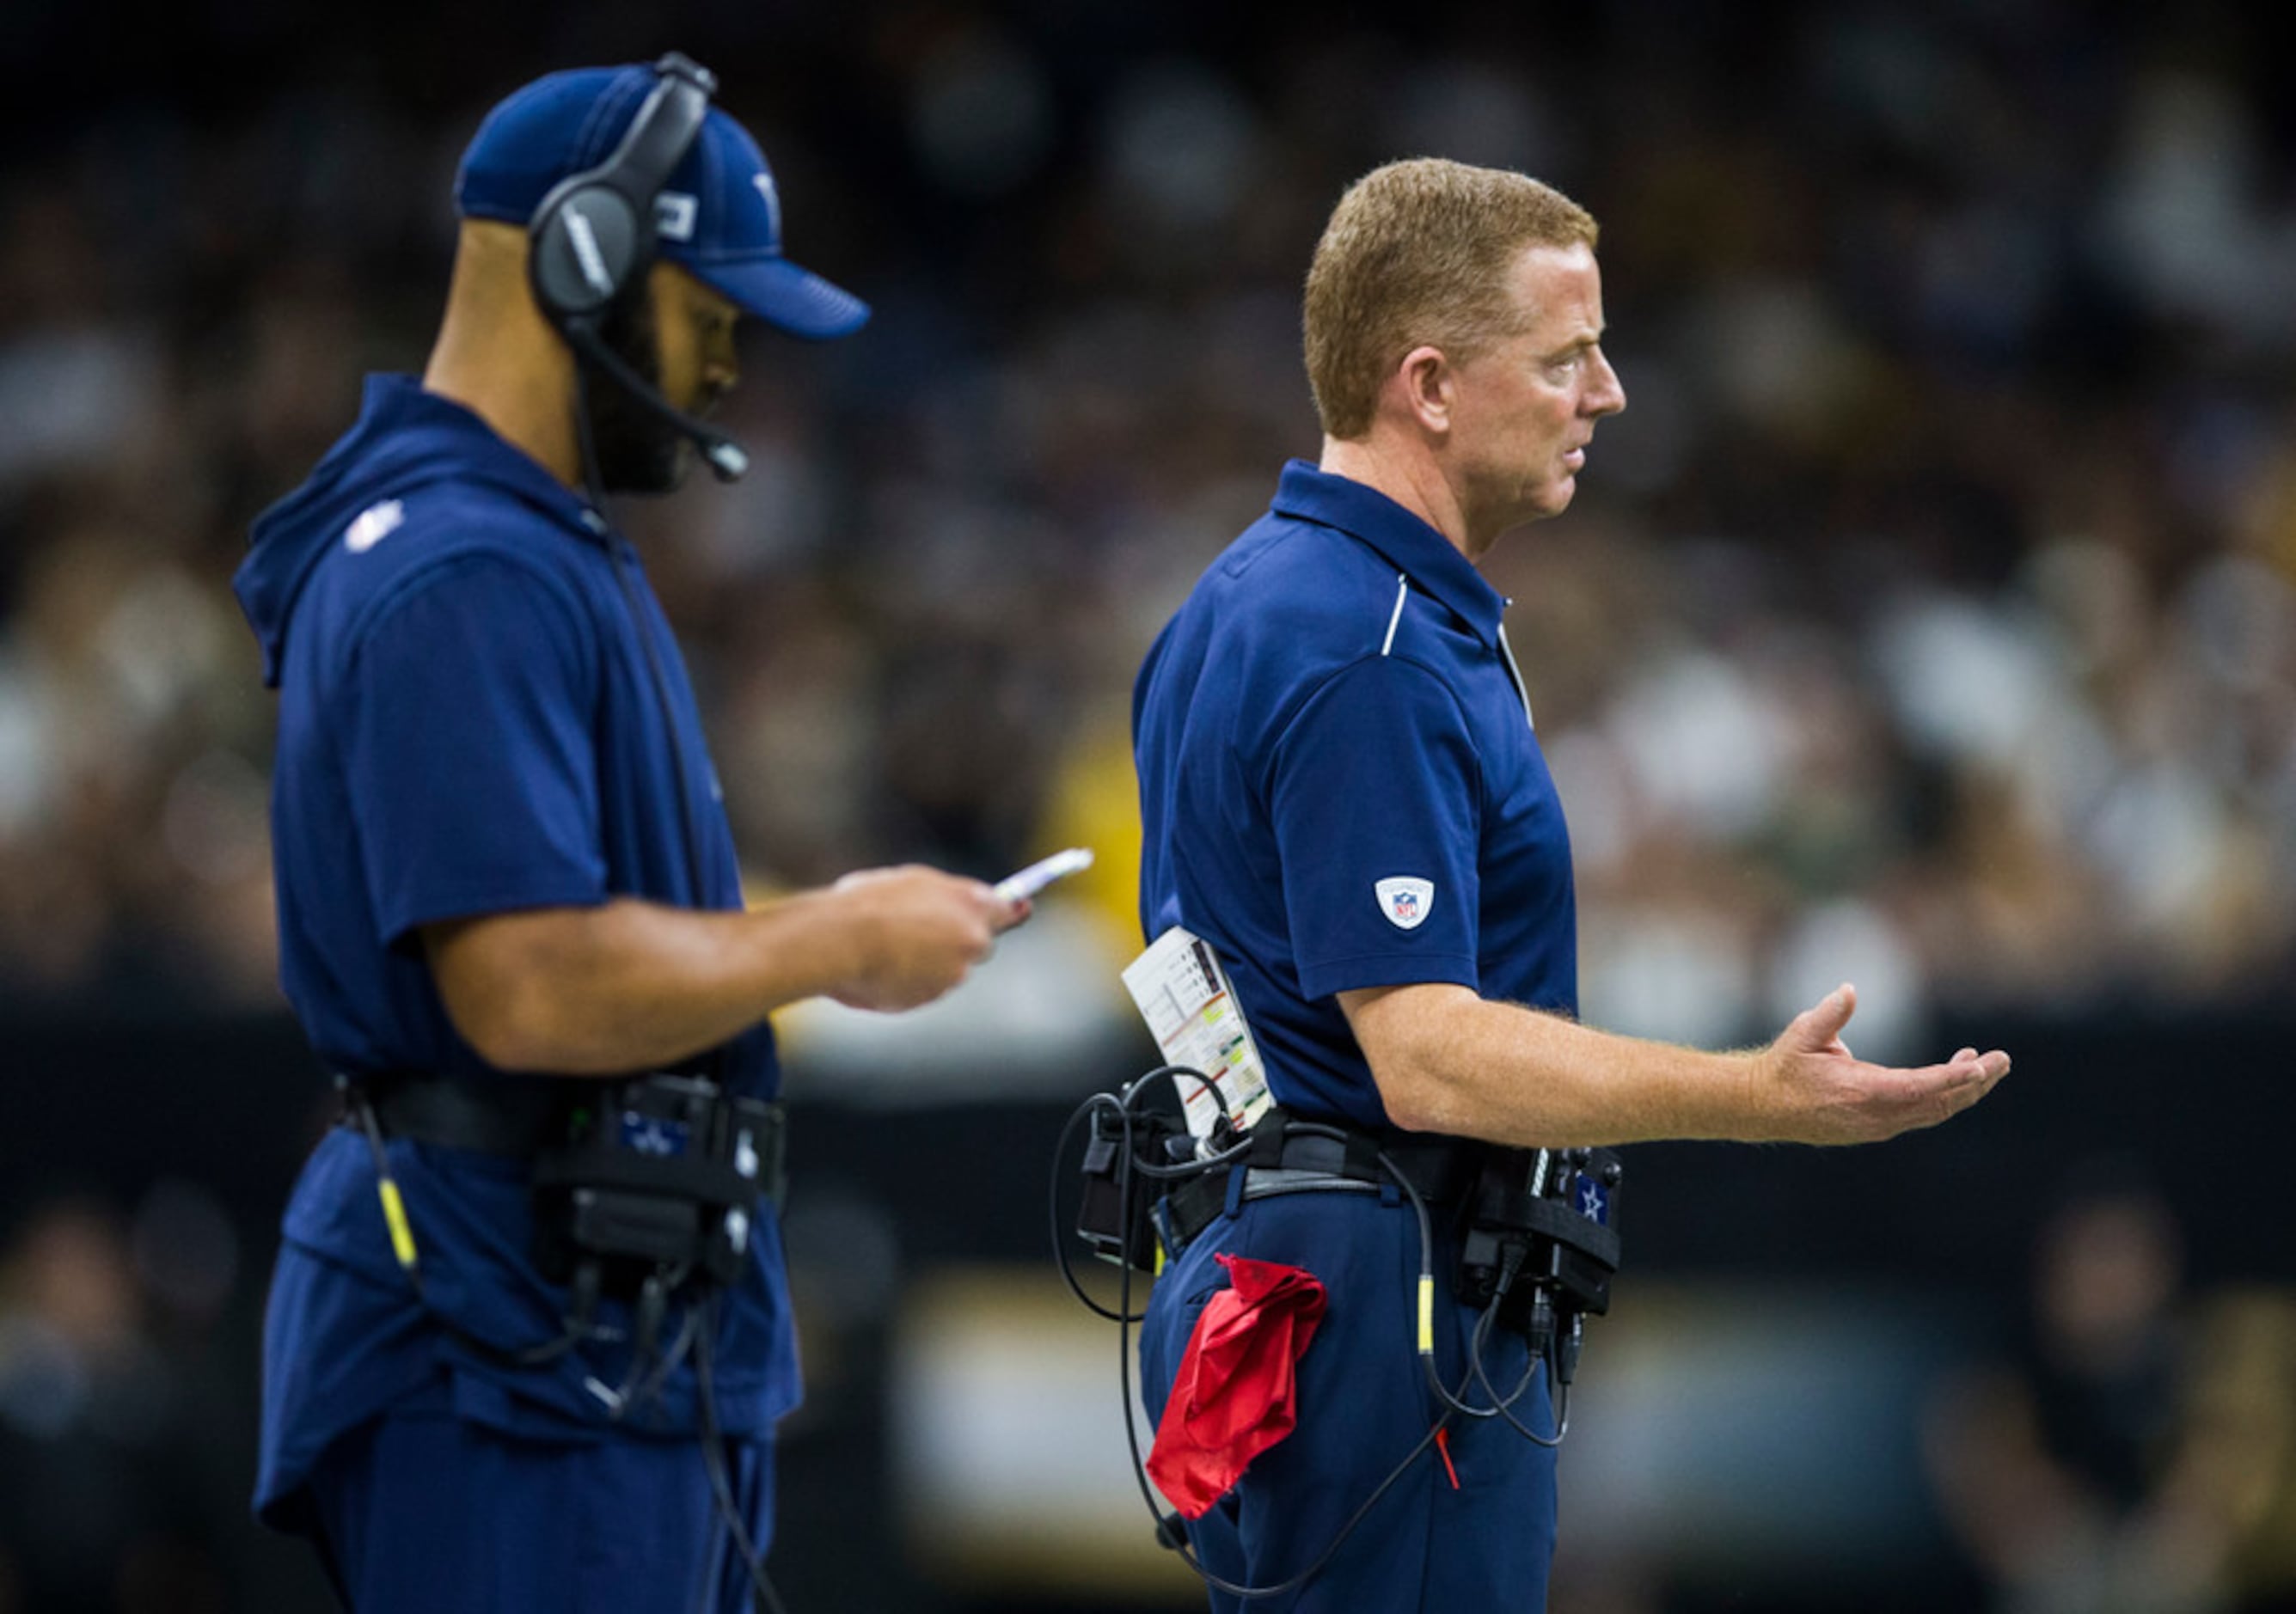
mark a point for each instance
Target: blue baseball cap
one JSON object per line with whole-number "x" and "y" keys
{"x": 720, "y": 216}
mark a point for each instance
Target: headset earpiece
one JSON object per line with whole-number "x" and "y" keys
{"x": 592, "y": 237}
{"x": 584, "y": 248}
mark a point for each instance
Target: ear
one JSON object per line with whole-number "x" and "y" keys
{"x": 1423, "y": 385}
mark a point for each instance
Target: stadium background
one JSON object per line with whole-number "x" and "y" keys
{"x": 1929, "y": 620}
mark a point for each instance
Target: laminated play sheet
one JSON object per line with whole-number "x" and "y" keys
{"x": 1191, "y": 1009}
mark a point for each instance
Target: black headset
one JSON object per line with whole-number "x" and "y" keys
{"x": 592, "y": 239}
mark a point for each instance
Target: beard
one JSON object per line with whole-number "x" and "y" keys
{"x": 638, "y": 451}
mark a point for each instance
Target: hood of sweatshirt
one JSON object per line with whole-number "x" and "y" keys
{"x": 406, "y": 438}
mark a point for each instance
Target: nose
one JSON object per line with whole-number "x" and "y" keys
{"x": 1607, "y": 394}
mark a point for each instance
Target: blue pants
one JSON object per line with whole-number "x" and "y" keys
{"x": 424, "y": 1512}
{"x": 1479, "y": 1546}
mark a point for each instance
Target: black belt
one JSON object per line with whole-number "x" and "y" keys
{"x": 1284, "y": 1159}
{"x": 519, "y": 1117}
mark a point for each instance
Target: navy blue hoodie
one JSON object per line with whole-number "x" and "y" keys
{"x": 468, "y": 725}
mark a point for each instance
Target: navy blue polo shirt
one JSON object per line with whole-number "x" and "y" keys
{"x": 469, "y": 723}
{"x": 1341, "y": 785}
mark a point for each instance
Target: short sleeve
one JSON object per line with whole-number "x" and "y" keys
{"x": 1375, "y": 792}
{"x": 467, "y": 750}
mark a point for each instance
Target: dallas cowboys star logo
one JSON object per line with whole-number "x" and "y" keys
{"x": 649, "y": 1137}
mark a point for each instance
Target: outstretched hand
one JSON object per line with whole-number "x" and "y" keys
{"x": 1822, "y": 1093}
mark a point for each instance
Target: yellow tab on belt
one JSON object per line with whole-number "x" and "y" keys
{"x": 402, "y": 1236}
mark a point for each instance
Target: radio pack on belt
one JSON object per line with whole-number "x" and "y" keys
{"x": 650, "y": 1182}
{"x": 1541, "y": 1235}
{"x": 666, "y": 1170}
{"x": 1116, "y": 1218}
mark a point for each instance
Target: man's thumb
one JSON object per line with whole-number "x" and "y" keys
{"x": 1832, "y": 1012}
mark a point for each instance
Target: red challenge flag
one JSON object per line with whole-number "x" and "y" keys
{"x": 1236, "y": 1393}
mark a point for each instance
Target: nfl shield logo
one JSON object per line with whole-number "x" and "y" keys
{"x": 1405, "y": 901}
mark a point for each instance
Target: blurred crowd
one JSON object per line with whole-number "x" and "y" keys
{"x": 1929, "y": 619}
{"x": 2133, "y": 1450}
{"x": 124, "y": 1409}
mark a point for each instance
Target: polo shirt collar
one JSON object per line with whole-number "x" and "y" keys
{"x": 1308, "y": 493}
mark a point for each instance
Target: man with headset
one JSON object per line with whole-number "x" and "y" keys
{"x": 507, "y": 892}
{"x": 1343, "y": 793}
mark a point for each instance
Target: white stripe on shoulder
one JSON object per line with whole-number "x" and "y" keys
{"x": 1514, "y": 671}
{"x": 1402, "y": 593}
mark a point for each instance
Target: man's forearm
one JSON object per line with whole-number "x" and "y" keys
{"x": 629, "y": 985}
{"x": 632, "y": 984}
{"x": 1520, "y": 1077}
{"x": 1446, "y": 1060}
